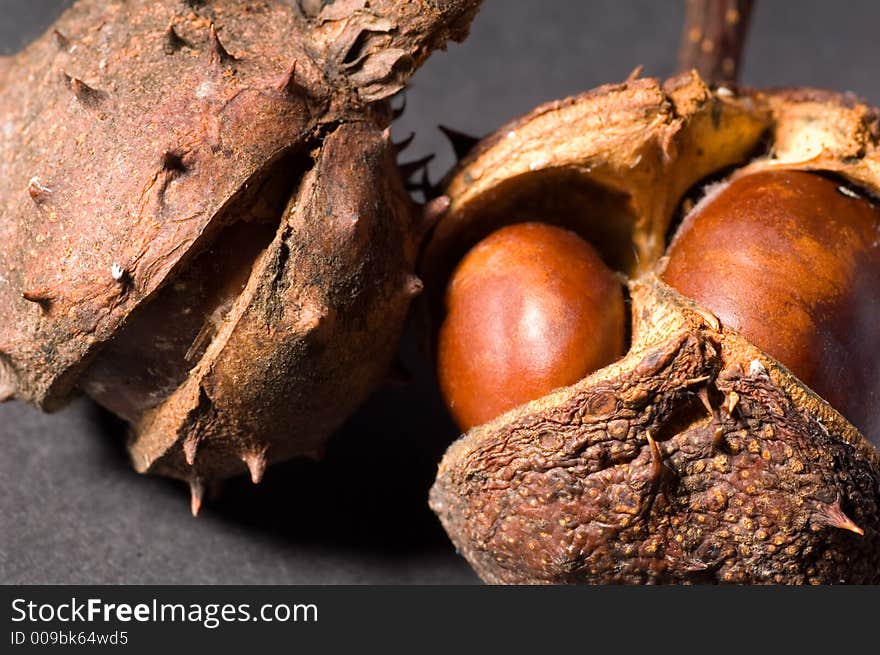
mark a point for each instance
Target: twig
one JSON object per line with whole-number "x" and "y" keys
{"x": 713, "y": 38}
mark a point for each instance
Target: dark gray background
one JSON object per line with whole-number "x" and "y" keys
{"x": 71, "y": 509}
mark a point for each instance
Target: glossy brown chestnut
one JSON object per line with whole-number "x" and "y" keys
{"x": 791, "y": 260}
{"x": 529, "y": 309}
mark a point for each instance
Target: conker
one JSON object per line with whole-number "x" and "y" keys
{"x": 701, "y": 455}
{"x": 530, "y": 308}
{"x": 791, "y": 260}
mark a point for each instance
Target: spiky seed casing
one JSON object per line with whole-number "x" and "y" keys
{"x": 204, "y": 226}
{"x": 697, "y": 457}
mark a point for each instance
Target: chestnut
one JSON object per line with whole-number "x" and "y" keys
{"x": 530, "y": 308}
{"x": 791, "y": 260}
{"x": 698, "y": 457}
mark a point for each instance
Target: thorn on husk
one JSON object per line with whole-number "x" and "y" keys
{"x": 85, "y": 94}
{"x": 833, "y": 516}
{"x": 658, "y": 469}
{"x": 219, "y": 54}
{"x": 41, "y": 297}
{"x": 693, "y": 565}
{"x": 732, "y": 402}
{"x": 255, "y": 461}
{"x": 658, "y": 477}
{"x": 196, "y": 494}
{"x": 287, "y": 82}
{"x": 400, "y": 146}
{"x": 703, "y": 395}
{"x": 411, "y": 168}
{"x": 635, "y": 74}
{"x": 173, "y": 41}
{"x": 37, "y": 191}
{"x": 718, "y": 440}
{"x": 424, "y": 185}
{"x": 461, "y": 143}
{"x": 61, "y": 41}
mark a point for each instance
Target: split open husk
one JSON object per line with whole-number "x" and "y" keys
{"x": 696, "y": 457}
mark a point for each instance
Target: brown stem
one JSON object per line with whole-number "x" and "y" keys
{"x": 713, "y": 37}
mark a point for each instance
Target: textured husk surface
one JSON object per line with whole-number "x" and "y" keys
{"x": 695, "y": 458}
{"x": 132, "y": 134}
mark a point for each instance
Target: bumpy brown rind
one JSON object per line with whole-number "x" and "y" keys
{"x": 135, "y": 133}
{"x": 696, "y": 458}
{"x": 627, "y": 477}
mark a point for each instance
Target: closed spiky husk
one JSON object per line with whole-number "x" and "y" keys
{"x": 204, "y": 226}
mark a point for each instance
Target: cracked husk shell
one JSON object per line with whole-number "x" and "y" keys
{"x": 696, "y": 457}
{"x": 203, "y": 222}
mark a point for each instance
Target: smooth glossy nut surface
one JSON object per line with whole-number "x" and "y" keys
{"x": 529, "y": 309}
{"x": 791, "y": 260}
